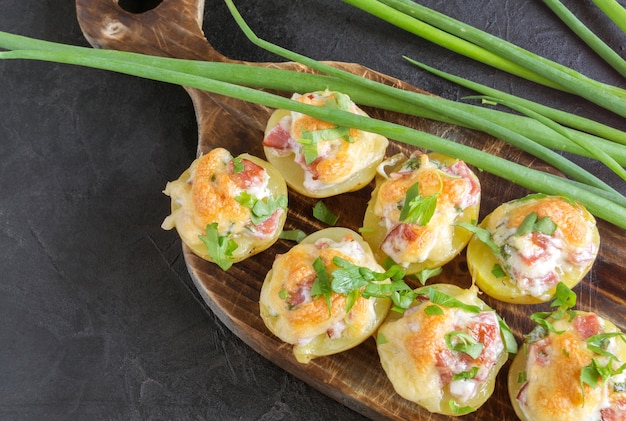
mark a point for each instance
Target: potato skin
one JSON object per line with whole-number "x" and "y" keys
{"x": 183, "y": 215}
{"x": 412, "y": 379}
{"x": 294, "y": 173}
{"x": 375, "y": 232}
{"x": 481, "y": 260}
{"x": 561, "y": 404}
{"x": 289, "y": 324}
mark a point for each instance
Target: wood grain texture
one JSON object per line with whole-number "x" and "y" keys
{"x": 354, "y": 378}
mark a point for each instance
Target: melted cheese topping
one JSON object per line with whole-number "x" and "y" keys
{"x": 297, "y": 317}
{"x": 408, "y": 243}
{"x": 552, "y": 391}
{"x": 337, "y": 159}
{"x": 536, "y": 261}
{"x": 419, "y": 363}
{"x": 206, "y": 193}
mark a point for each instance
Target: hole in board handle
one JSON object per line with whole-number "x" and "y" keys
{"x": 138, "y": 6}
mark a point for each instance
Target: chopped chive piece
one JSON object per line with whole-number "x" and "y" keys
{"x": 321, "y": 285}
{"x": 323, "y": 214}
{"x": 293, "y": 235}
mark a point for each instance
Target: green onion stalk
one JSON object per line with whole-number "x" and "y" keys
{"x": 591, "y": 39}
{"x": 535, "y": 180}
{"x": 279, "y": 79}
{"x": 468, "y": 118}
{"x": 583, "y": 124}
{"x": 614, "y": 11}
{"x": 607, "y": 96}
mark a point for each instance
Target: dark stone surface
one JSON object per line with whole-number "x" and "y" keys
{"x": 98, "y": 317}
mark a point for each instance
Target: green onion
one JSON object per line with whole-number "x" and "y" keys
{"x": 469, "y": 118}
{"x": 599, "y": 202}
{"x": 591, "y": 39}
{"x": 323, "y": 214}
{"x": 614, "y": 11}
{"x": 598, "y": 153}
{"x": 290, "y": 81}
{"x": 604, "y": 95}
{"x": 602, "y": 131}
{"x": 593, "y": 199}
{"x": 451, "y": 42}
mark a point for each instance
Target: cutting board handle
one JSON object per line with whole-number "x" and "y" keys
{"x": 171, "y": 29}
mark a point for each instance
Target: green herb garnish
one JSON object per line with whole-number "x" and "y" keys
{"x": 219, "y": 247}
{"x": 460, "y": 410}
{"x": 238, "y": 165}
{"x": 498, "y": 272}
{"x": 463, "y": 342}
{"x": 466, "y": 375}
{"x": 323, "y": 214}
{"x": 418, "y": 209}
{"x": 532, "y": 223}
{"x": 482, "y": 234}
{"x": 293, "y": 235}
{"x": 261, "y": 209}
{"x": 321, "y": 285}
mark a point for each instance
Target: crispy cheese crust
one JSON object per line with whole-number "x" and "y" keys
{"x": 344, "y": 160}
{"x": 545, "y": 378}
{"x": 207, "y": 193}
{"x": 421, "y": 366}
{"x": 295, "y": 315}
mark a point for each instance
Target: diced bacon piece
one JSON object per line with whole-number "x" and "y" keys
{"x": 303, "y": 294}
{"x": 541, "y": 246}
{"x": 539, "y": 351}
{"x": 268, "y": 227}
{"x": 587, "y": 325}
{"x": 252, "y": 174}
{"x": 616, "y": 412}
{"x": 485, "y": 330}
{"x": 461, "y": 169}
{"x": 278, "y": 138}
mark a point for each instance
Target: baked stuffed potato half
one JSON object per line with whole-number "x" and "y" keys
{"x": 531, "y": 244}
{"x": 414, "y": 207}
{"x": 570, "y": 368}
{"x": 319, "y": 159}
{"x": 227, "y": 208}
{"x": 299, "y": 305}
{"x": 445, "y": 351}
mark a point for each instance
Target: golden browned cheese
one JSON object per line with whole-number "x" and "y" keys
{"x": 563, "y": 390}
{"x": 345, "y": 155}
{"x": 296, "y": 267}
{"x": 423, "y": 345}
{"x": 213, "y": 192}
{"x": 450, "y": 190}
{"x": 553, "y": 389}
{"x": 568, "y": 217}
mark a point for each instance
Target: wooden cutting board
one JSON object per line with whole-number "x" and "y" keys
{"x": 354, "y": 378}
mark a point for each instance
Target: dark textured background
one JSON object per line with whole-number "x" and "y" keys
{"x": 98, "y": 316}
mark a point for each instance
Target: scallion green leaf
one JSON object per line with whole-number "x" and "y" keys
{"x": 323, "y": 214}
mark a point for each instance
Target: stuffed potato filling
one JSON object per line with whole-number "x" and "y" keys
{"x": 573, "y": 371}
{"x": 417, "y": 205}
{"x": 225, "y": 202}
{"x": 541, "y": 239}
{"x": 327, "y": 154}
{"x": 300, "y": 307}
{"x": 445, "y": 351}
